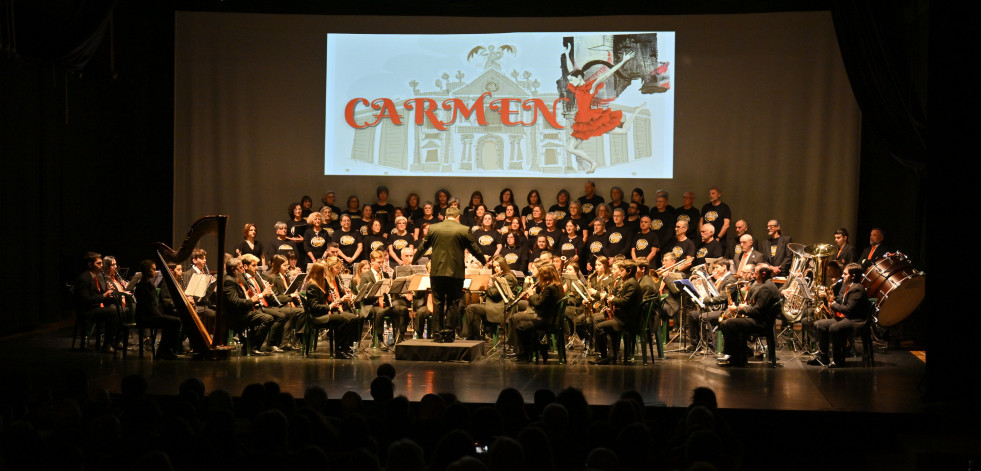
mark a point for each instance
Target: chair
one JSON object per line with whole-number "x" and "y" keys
{"x": 768, "y": 331}
{"x": 647, "y": 335}
{"x": 83, "y": 329}
{"x": 555, "y": 331}
{"x": 311, "y": 331}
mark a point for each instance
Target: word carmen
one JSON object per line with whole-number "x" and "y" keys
{"x": 425, "y": 110}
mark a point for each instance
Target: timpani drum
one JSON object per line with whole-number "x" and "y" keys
{"x": 898, "y": 287}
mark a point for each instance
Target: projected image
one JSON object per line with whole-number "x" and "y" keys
{"x": 500, "y": 105}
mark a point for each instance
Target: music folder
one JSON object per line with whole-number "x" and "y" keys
{"x": 198, "y": 285}
{"x": 133, "y": 282}
{"x": 296, "y": 284}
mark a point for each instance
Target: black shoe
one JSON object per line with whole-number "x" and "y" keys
{"x": 522, "y": 360}
{"x": 383, "y": 347}
{"x": 601, "y": 361}
{"x": 818, "y": 361}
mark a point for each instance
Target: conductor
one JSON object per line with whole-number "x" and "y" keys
{"x": 448, "y": 239}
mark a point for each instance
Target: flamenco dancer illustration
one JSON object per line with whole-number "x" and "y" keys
{"x": 589, "y": 121}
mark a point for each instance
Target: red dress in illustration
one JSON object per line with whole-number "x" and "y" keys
{"x": 589, "y": 121}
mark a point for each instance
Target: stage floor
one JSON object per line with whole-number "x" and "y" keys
{"x": 893, "y": 386}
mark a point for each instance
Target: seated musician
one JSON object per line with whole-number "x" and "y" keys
{"x": 279, "y": 279}
{"x": 669, "y": 273}
{"x": 93, "y": 300}
{"x": 202, "y": 305}
{"x": 715, "y": 306}
{"x": 759, "y": 311}
{"x": 397, "y": 312}
{"x": 493, "y": 308}
{"x": 544, "y": 304}
{"x": 623, "y": 310}
{"x": 851, "y": 311}
{"x": 123, "y": 298}
{"x": 150, "y": 314}
{"x": 284, "y": 314}
{"x": 329, "y": 307}
{"x": 419, "y": 299}
{"x": 242, "y": 307}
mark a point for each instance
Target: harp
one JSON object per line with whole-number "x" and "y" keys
{"x": 208, "y": 345}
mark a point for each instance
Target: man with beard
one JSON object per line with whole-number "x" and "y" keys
{"x": 757, "y": 313}
{"x": 709, "y": 246}
{"x": 590, "y": 200}
{"x": 774, "y": 248}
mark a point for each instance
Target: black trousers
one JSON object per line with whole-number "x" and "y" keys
{"x": 447, "y": 293}
{"x": 836, "y": 332}
{"x": 735, "y": 332}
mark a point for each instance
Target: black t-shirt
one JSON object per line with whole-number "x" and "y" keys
{"x": 644, "y": 243}
{"x": 487, "y": 240}
{"x": 373, "y": 242}
{"x": 713, "y": 249}
{"x": 596, "y": 246}
{"x": 662, "y": 223}
{"x": 690, "y": 216}
{"x": 560, "y": 211}
{"x": 280, "y": 247}
{"x": 716, "y": 216}
{"x": 243, "y": 248}
{"x": 516, "y": 257}
{"x": 589, "y": 205}
{"x": 383, "y": 212}
{"x": 680, "y": 249}
{"x": 348, "y": 242}
{"x": 618, "y": 241}
{"x": 553, "y": 238}
{"x": 399, "y": 242}
{"x": 534, "y": 228}
{"x": 315, "y": 242}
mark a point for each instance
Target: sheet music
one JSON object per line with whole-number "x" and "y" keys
{"x": 297, "y": 282}
{"x": 198, "y": 285}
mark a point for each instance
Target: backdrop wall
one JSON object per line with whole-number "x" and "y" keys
{"x": 763, "y": 110}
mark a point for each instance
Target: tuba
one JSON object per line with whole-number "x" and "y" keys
{"x": 702, "y": 282}
{"x": 807, "y": 274}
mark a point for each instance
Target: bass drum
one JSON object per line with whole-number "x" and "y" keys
{"x": 898, "y": 287}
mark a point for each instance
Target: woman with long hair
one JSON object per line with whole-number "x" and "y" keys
{"x": 513, "y": 251}
{"x": 544, "y": 306}
{"x": 329, "y": 304}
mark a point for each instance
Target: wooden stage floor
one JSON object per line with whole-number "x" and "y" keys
{"x": 893, "y": 386}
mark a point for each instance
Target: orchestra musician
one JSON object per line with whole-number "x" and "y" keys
{"x": 671, "y": 306}
{"x": 759, "y": 310}
{"x": 846, "y": 252}
{"x": 93, "y": 299}
{"x": 851, "y": 311}
{"x": 715, "y": 306}
{"x": 124, "y": 299}
{"x": 492, "y": 309}
{"x": 242, "y": 307}
{"x": 149, "y": 313}
{"x": 284, "y": 314}
{"x": 624, "y": 305}
{"x": 875, "y": 250}
{"x": 380, "y": 308}
{"x": 329, "y": 307}
{"x": 544, "y": 306}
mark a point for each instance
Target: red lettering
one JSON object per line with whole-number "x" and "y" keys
{"x": 504, "y": 106}
{"x": 456, "y": 104}
{"x": 349, "y": 113}
{"x": 387, "y": 108}
{"x": 538, "y": 106}
{"x": 424, "y": 110}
